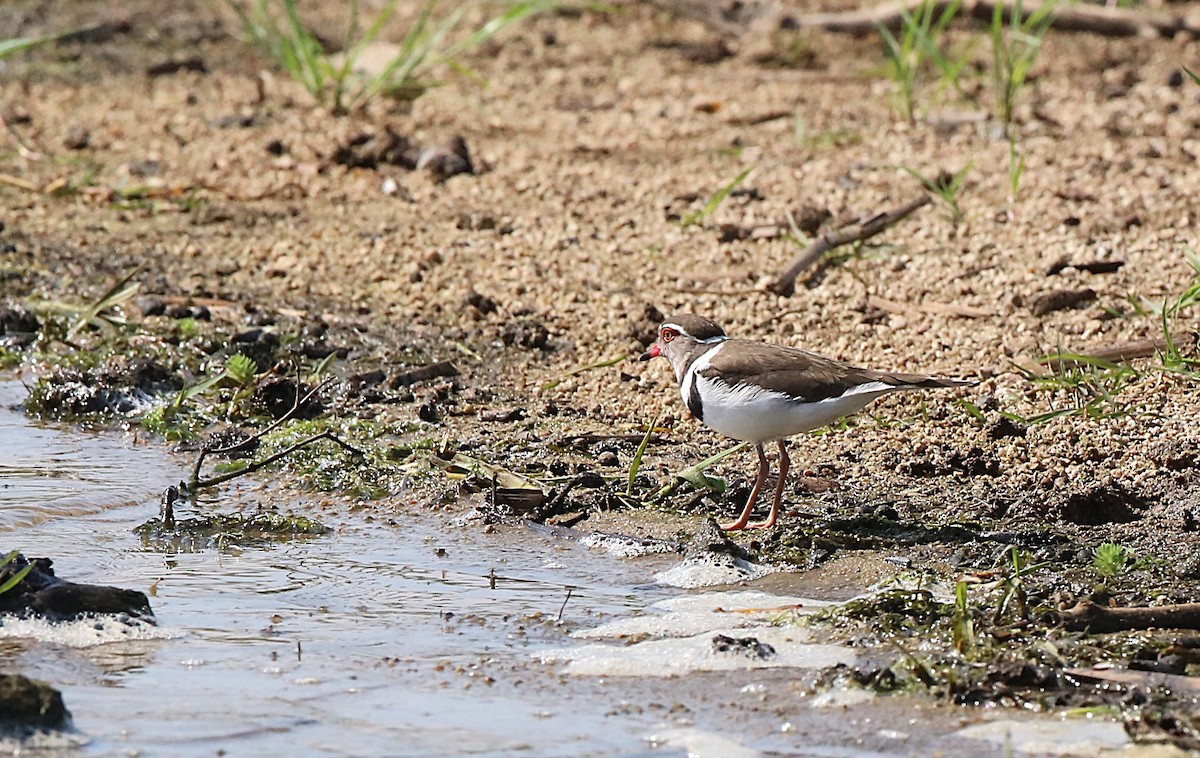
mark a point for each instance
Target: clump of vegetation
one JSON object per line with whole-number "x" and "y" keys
{"x": 1110, "y": 560}
{"x": 226, "y": 530}
{"x": 1095, "y": 384}
{"x": 336, "y": 81}
{"x": 1015, "y": 48}
{"x": 917, "y": 46}
{"x": 102, "y": 313}
{"x": 1172, "y": 358}
{"x": 946, "y": 186}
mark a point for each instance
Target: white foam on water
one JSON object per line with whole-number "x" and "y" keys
{"x": 841, "y": 697}
{"x": 625, "y": 547}
{"x": 710, "y": 571}
{"x": 662, "y": 625}
{"x": 84, "y": 632}
{"x": 1050, "y": 736}
{"x": 40, "y": 742}
{"x": 702, "y": 744}
{"x": 742, "y": 600}
{"x": 676, "y": 656}
{"x": 694, "y": 614}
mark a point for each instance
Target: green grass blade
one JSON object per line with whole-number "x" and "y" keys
{"x": 21, "y": 44}
{"x": 636, "y": 464}
{"x": 494, "y": 26}
{"x": 718, "y": 197}
{"x": 16, "y": 578}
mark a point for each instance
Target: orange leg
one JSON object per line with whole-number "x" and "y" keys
{"x": 785, "y": 463}
{"x": 763, "y": 471}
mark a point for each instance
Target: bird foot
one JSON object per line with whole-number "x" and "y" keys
{"x": 761, "y": 524}
{"x": 733, "y": 526}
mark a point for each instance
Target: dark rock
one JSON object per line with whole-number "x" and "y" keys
{"x": 482, "y": 303}
{"x": 371, "y": 150}
{"x": 194, "y": 63}
{"x": 277, "y": 394}
{"x": 428, "y": 412}
{"x": 28, "y": 705}
{"x": 1022, "y": 674}
{"x": 259, "y": 345}
{"x": 78, "y": 138}
{"x": 319, "y": 351}
{"x": 974, "y": 462}
{"x": 503, "y": 416}
{"x": 749, "y": 647}
{"x": 1060, "y": 300}
{"x": 16, "y": 320}
{"x": 525, "y": 333}
{"x": 366, "y": 378}
{"x": 177, "y": 312}
{"x": 43, "y": 594}
{"x": 809, "y": 219}
{"x": 411, "y": 376}
{"x": 518, "y": 501}
{"x": 1003, "y": 427}
{"x": 448, "y": 161}
{"x": 732, "y": 233}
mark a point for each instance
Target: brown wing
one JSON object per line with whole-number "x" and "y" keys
{"x": 801, "y": 374}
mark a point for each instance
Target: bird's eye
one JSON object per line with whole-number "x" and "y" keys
{"x": 666, "y": 335}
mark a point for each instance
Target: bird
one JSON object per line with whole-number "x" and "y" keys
{"x": 760, "y": 392}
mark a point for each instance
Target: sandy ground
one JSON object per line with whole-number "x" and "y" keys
{"x": 594, "y": 135}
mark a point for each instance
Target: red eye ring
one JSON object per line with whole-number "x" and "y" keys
{"x": 666, "y": 335}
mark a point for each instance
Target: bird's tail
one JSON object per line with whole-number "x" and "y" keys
{"x": 923, "y": 382}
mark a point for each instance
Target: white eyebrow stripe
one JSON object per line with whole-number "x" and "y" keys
{"x": 685, "y": 332}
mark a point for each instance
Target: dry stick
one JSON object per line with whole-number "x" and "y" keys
{"x": 563, "y": 607}
{"x": 204, "y": 453}
{"x": 1098, "y": 619}
{"x": 256, "y": 465}
{"x": 1106, "y": 21}
{"x": 785, "y": 285}
{"x": 1118, "y": 352}
{"x": 1143, "y": 679}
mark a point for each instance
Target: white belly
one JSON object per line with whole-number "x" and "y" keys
{"x": 756, "y": 415}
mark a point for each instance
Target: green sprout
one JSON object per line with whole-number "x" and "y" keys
{"x": 1110, "y": 559}
{"x": 717, "y": 198}
{"x": 917, "y": 43}
{"x": 1015, "y": 49}
{"x": 946, "y": 187}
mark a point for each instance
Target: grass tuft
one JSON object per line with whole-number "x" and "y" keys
{"x": 336, "y": 82}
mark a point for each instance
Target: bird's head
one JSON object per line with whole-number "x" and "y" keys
{"x": 682, "y": 338}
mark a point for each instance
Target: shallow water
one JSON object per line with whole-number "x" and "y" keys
{"x": 387, "y": 637}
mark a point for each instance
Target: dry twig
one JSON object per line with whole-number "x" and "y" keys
{"x": 1098, "y": 619}
{"x": 196, "y": 483}
{"x": 856, "y": 232}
